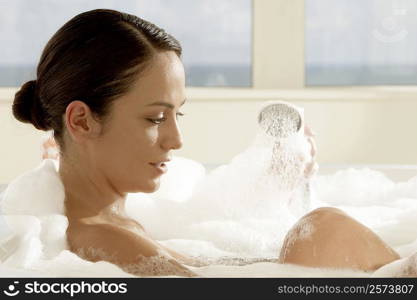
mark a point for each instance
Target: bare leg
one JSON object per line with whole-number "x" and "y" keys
{"x": 327, "y": 237}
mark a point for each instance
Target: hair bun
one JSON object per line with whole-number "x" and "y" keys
{"x": 27, "y": 107}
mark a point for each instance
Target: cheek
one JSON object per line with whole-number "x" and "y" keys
{"x": 125, "y": 151}
{"x": 129, "y": 153}
{"x": 132, "y": 139}
{"x": 142, "y": 143}
{"x": 150, "y": 135}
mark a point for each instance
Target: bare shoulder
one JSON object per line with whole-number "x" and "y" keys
{"x": 116, "y": 243}
{"x": 135, "y": 253}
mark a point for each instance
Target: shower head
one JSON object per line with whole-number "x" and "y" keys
{"x": 280, "y": 119}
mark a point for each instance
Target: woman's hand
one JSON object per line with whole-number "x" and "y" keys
{"x": 311, "y": 167}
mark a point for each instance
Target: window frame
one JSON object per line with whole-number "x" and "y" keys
{"x": 278, "y": 26}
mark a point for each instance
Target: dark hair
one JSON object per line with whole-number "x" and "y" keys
{"x": 94, "y": 57}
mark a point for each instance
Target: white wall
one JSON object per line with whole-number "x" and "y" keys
{"x": 19, "y": 145}
{"x": 354, "y": 126}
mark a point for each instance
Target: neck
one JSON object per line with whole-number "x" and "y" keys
{"x": 88, "y": 193}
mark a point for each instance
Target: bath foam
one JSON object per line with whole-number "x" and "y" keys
{"x": 363, "y": 192}
{"x": 253, "y": 230}
{"x": 405, "y": 267}
{"x": 33, "y": 208}
{"x": 37, "y": 192}
{"x": 68, "y": 264}
{"x": 28, "y": 247}
{"x": 179, "y": 182}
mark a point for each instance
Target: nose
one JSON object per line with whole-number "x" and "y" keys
{"x": 172, "y": 137}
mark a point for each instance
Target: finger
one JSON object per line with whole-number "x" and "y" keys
{"x": 311, "y": 169}
{"x": 308, "y": 131}
{"x": 308, "y": 170}
{"x": 313, "y": 145}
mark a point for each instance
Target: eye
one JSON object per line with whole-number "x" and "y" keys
{"x": 157, "y": 121}
{"x": 180, "y": 114}
{"x": 160, "y": 120}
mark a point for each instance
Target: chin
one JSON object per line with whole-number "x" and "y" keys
{"x": 148, "y": 187}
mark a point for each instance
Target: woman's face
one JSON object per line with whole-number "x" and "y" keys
{"x": 142, "y": 127}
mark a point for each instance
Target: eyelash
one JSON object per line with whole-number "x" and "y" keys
{"x": 160, "y": 120}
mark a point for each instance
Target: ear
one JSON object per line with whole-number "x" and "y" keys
{"x": 80, "y": 122}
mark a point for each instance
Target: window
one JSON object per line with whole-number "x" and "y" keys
{"x": 215, "y": 35}
{"x": 361, "y": 42}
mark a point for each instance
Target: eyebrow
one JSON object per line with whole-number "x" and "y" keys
{"x": 166, "y": 104}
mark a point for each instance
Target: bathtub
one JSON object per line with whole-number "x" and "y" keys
{"x": 383, "y": 197}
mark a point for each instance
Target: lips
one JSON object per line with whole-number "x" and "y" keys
{"x": 160, "y": 166}
{"x": 160, "y": 162}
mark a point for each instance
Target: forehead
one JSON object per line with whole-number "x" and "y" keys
{"x": 162, "y": 80}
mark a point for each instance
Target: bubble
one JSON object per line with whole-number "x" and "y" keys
{"x": 231, "y": 261}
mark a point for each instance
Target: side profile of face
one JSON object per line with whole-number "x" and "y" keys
{"x": 142, "y": 128}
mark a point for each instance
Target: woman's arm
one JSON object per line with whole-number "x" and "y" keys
{"x": 186, "y": 260}
{"x": 135, "y": 254}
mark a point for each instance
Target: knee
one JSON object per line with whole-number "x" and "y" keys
{"x": 327, "y": 237}
{"x": 323, "y": 217}
{"x": 324, "y": 223}
{"x": 315, "y": 234}
{"x": 326, "y": 211}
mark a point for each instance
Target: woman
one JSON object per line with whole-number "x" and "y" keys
{"x": 111, "y": 86}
